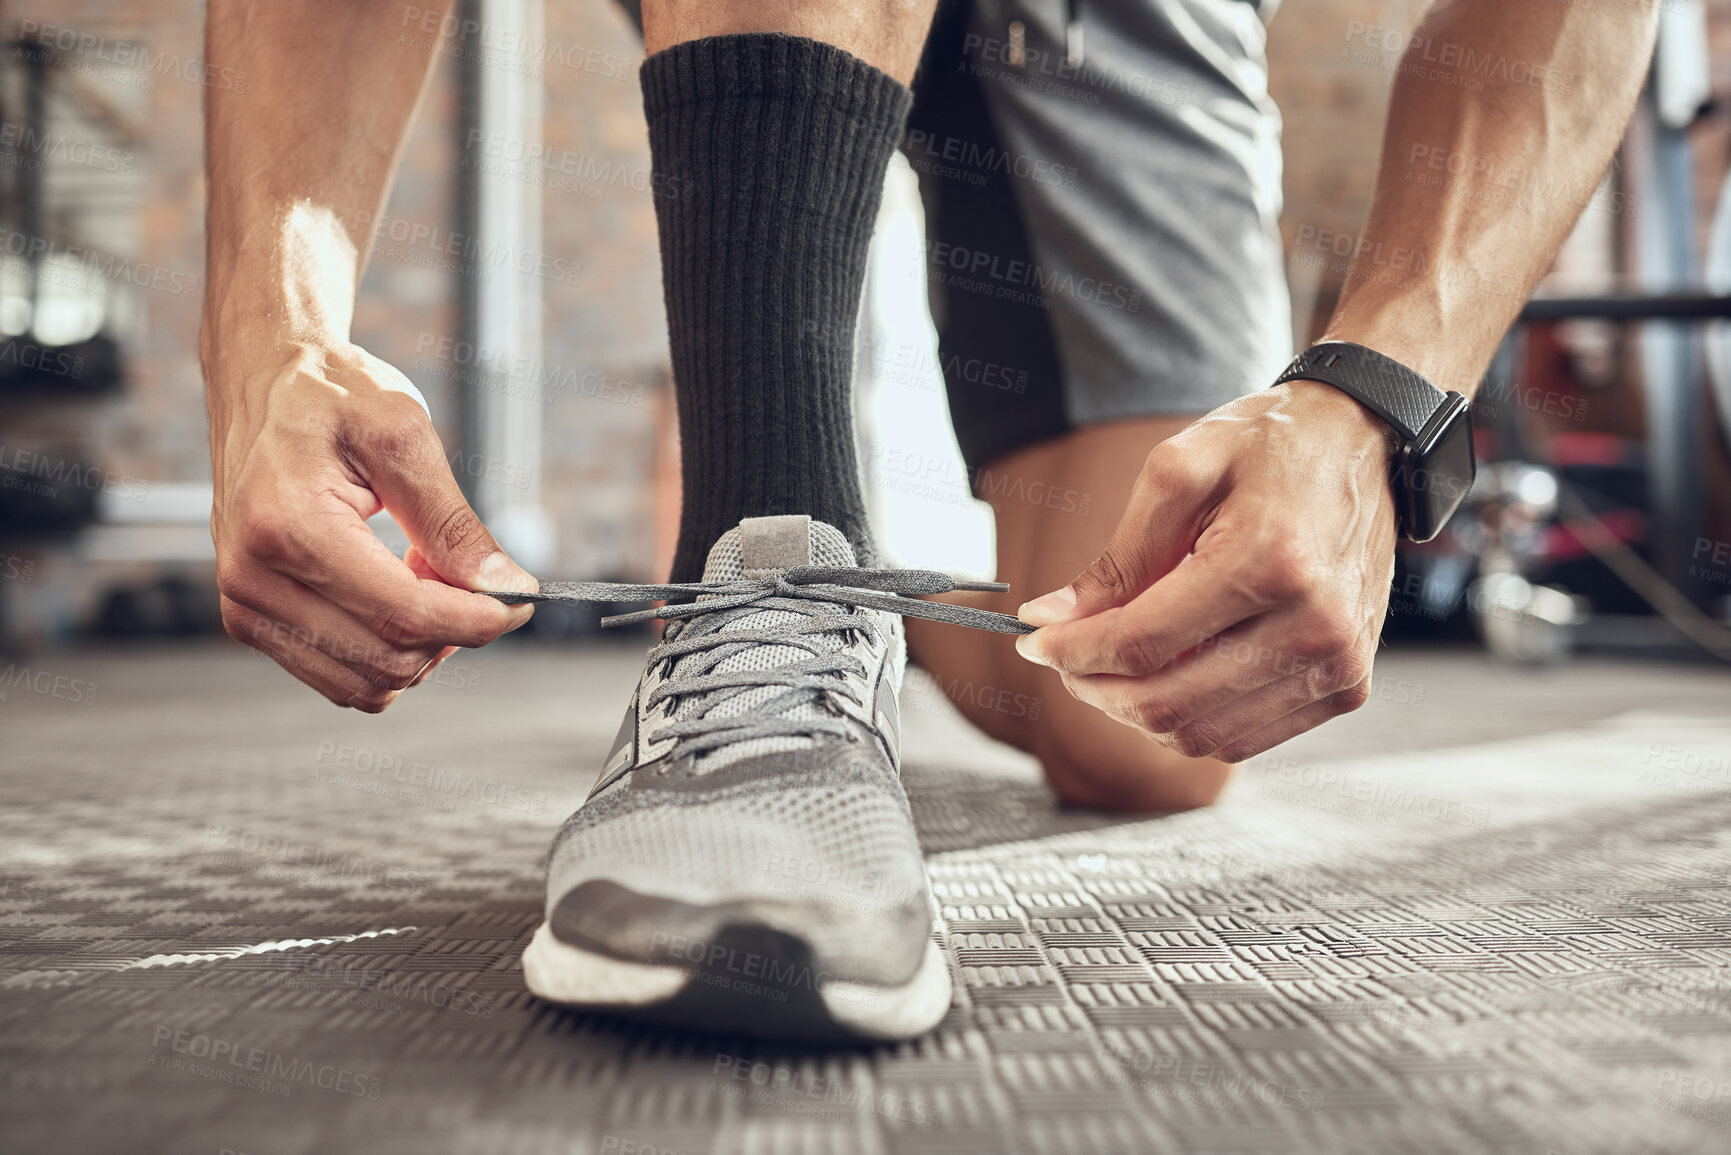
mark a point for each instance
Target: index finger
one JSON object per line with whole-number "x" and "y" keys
{"x": 1196, "y": 600}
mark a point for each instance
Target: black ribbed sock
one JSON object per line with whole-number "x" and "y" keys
{"x": 769, "y": 154}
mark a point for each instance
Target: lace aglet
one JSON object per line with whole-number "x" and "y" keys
{"x": 983, "y": 587}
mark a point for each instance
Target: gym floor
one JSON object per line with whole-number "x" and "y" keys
{"x": 1489, "y": 912}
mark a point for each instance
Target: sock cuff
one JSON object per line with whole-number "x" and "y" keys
{"x": 808, "y": 73}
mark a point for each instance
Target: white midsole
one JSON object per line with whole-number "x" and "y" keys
{"x": 569, "y": 974}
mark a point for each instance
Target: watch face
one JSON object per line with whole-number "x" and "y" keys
{"x": 1437, "y": 470}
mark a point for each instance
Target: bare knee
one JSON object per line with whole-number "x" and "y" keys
{"x": 1090, "y": 759}
{"x": 1098, "y": 763}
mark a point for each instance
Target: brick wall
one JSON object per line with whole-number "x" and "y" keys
{"x": 1332, "y": 89}
{"x": 608, "y": 329}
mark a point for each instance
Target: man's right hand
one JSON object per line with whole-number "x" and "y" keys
{"x": 304, "y": 451}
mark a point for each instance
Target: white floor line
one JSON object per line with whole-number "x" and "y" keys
{"x": 169, "y": 960}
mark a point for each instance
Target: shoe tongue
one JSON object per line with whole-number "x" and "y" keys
{"x": 761, "y": 545}
{"x": 758, "y": 547}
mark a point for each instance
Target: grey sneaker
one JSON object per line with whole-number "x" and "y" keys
{"x": 747, "y": 859}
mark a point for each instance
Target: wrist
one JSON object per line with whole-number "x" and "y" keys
{"x": 246, "y": 372}
{"x": 230, "y": 348}
{"x": 1331, "y": 414}
{"x": 1408, "y": 333}
{"x": 248, "y": 328}
{"x": 279, "y": 276}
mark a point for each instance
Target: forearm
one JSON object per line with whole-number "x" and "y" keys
{"x": 299, "y": 163}
{"x": 1478, "y": 187}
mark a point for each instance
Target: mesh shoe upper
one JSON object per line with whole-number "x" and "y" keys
{"x": 776, "y": 804}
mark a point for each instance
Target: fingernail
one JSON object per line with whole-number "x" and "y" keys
{"x": 1049, "y": 609}
{"x": 1030, "y": 649}
{"x": 500, "y": 574}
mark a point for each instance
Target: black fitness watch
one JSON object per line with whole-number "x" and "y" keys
{"x": 1435, "y": 468}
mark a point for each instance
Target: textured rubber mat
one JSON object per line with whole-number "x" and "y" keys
{"x": 268, "y": 938}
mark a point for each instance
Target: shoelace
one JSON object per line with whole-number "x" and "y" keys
{"x": 811, "y": 592}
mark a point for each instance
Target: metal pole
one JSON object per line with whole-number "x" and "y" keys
{"x": 1670, "y": 364}
{"x": 502, "y": 444}
{"x": 467, "y": 215}
{"x": 33, "y": 157}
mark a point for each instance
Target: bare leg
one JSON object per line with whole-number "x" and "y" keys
{"x": 1089, "y": 758}
{"x": 886, "y": 34}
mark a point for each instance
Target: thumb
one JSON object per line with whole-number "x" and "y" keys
{"x": 1156, "y": 532}
{"x": 422, "y": 494}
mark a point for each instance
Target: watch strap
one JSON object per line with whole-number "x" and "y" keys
{"x": 1401, "y": 397}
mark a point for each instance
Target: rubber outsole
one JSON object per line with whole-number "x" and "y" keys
{"x": 723, "y": 1000}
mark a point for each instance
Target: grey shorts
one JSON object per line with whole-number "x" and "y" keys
{"x": 1102, "y": 240}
